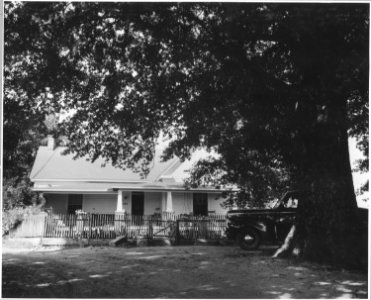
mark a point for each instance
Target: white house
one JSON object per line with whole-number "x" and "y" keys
{"x": 69, "y": 185}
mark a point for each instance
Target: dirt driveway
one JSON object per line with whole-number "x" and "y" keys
{"x": 171, "y": 272}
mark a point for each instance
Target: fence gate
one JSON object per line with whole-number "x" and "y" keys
{"x": 164, "y": 229}
{"x": 191, "y": 229}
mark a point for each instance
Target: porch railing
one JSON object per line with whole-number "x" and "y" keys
{"x": 109, "y": 226}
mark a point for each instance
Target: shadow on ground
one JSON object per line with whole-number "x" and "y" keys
{"x": 172, "y": 272}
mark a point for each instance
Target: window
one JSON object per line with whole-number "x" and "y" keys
{"x": 74, "y": 203}
{"x": 291, "y": 203}
{"x": 200, "y": 204}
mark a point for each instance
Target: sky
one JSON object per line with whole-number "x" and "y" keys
{"x": 358, "y": 178}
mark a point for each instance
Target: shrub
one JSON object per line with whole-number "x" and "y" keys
{"x": 17, "y": 192}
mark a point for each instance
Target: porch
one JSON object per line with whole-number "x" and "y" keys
{"x": 136, "y": 202}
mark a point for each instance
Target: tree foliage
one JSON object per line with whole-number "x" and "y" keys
{"x": 252, "y": 184}
{"x": 227, "y": 62}
{"x": 17, "y": 192}
{"x": 271, "y": 87}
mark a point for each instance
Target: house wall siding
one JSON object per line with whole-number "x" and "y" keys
{"x": 214, "y": 202}
{"x": 152, "y": 202}
{"x": 106, "y": 203}
{"x": 58, "y": 202}
{"x": 99, "y": 203}
{"x": 182, "y": 203}
{"x": 126, "y": 201}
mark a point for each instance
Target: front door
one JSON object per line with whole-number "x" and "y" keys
{"x": 74, "y": 203}
{"x": 200, "y": 204}
{"x": 137, "y": 204}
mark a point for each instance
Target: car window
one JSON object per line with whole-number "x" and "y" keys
{"x": 291, "y": 203}
{"x": 274, "y": 204}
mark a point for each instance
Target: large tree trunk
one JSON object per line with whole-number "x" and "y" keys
{"x": 328, "y": 226}
{"x": 288, "y": 244}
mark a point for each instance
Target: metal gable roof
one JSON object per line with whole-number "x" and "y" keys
{"x": 52, "y": 165}
{"x": 54, "y": 172}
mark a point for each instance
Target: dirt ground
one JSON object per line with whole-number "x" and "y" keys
{"x": 171, "y": 272}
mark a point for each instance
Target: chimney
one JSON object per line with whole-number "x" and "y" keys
{"x": 51, "y": 142}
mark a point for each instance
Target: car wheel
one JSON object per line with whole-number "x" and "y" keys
{"x": 249, "y": 239}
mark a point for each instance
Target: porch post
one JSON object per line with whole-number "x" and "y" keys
{"x": 119, "y": 202}
{"x": 169, "y": 202}
{"x": 163, "y": 202}
{"x": 119, "y": 215}
{"x": 167, "y": 205}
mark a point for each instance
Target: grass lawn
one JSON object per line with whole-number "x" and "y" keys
{"x": 171, "y": 272}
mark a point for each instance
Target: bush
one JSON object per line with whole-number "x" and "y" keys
{"x": 17, "y": 192}
{"x": 19, "y": 200}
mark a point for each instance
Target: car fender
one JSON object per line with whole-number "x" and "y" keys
{"x": 261, "y": 227}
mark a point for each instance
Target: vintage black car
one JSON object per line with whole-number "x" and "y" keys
{"x": 251, "y": 227}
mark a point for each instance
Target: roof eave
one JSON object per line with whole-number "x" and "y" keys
{"x": 88, "y": 180}
{"x": 83, "y": 191}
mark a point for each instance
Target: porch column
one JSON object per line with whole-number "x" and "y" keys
{"x": 169, "y": 202}
{"x": 119, "y": 208}
{"x": 119, "y": 215}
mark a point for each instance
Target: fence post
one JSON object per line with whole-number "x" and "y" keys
{"x": 80, "y": 224}
{"x": 44, "y": 224}
{"x": 177, "y": 232}
{"x": 90, "y": 229}
{"x": 119, "y": 223}
{"x": 150, "y": 228}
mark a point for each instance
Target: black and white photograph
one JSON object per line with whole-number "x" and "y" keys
{"x": 185, "y": 150}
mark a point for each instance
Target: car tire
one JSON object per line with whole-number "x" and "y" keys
{"x": 249, "y": 239}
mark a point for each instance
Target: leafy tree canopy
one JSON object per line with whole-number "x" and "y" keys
{"x": 275, "y": 86}
{"x": 241, "y": 67}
